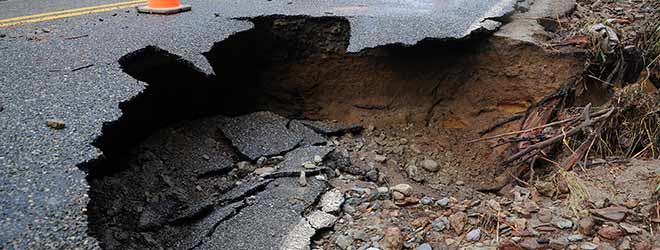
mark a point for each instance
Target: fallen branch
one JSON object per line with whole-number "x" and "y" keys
{"x": 557, "y": 138}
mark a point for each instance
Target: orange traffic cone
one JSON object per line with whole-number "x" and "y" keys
{"x": 163, "y": 7}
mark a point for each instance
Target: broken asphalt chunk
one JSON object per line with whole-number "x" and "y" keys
{"x": 260, "y": 134}
{"x": 310, "y": 137}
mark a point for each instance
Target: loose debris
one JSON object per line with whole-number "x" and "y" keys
{"x": 55, "y": 124}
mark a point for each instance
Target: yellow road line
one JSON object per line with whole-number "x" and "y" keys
{"x": 69, "y": 13}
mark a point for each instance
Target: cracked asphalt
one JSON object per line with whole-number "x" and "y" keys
{"x": 67, "y": 69}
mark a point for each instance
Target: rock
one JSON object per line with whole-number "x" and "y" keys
{"x": 302, "y": 180}
{"x": 425, "y": 246}
{"x": 358, "y": 235}
{"x": 429, "y": 165}
{"x": 264, "y": 171}
{"x": 642, "y": 246}
{"x": 404, "y": 189}
{"x": 473, "y": 235}
{"x": 519, "y": 223}
{"x": 586, "y": 225}
{"x": 604, "y": 36}
{"x": 460, "y": 183}
{"x": 545, "y": 215}
{"x": 588, "y": 246}
{"x": 457, "y": 222}
{"x": 380, "y": 158}
{"x": 559, "y": 243}
{"x": 631, "y": 203}
{"x": 530, "y": 244}
{"x": 610, "y": 233}
{"x": 629, "y": 228}
{"x": 543, "y": 240}
{"x": 392, "y": 240}
{"x": 545, "y": 188}
{"x": 413, "y": 173}
{"x": 509, "y": 245}
{"x": 383, "y": 193}
{"x": 261, "y": 161}
{"x": 331, "y": 201}
{"x": 611, "y": 213}
{"x": 349, "y": 209}
{"x": 344, "y": 242}
{"x": 372, "y": 175}
{"x": 317, "y": 159}
{"x": 398, "y": 196}
{"x": 309, "y": 165}
{"x": 575, "y": 237}
{"x": 440, "y": 224}
{"x": 320, "y": 219}
{"x": 562, "y": 223}
{"x": 55, "y": 124}
{"x": 444, "y": 202}
{"x": 426, "y": 200}
{"x": 625, "y": 245}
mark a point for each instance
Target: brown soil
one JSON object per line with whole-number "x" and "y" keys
{"x": 436, "y": 98}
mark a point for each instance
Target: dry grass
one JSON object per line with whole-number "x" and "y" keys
{"x": 578, "y": 192}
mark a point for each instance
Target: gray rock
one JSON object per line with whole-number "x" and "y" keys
{"x": 331, "y": 127}
{"x": 372, "y": 175}
{"x": 264, "y": 170}
{"x": 440, "y": 224}
{"x": 413, "y": 173}
{"x": 261, "y": 161}
{"x": 302, "y": 180}
{"x": 562, "y": 223}
{"x": 575, "y": 237}
{"x": 380, "y": 158}
{"x": 588, "y": 246}
{"x": 444, "y": 202}
{"x": 296, "y": 159}
{"x": 429, "y": 165}
{"x": 426, "y": 200}
{"x": 344, "y": 241}
{"x": 473, "y": 235}
{"x": 425, "y": 246}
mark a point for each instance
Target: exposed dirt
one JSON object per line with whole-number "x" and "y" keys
{"x": 158, "y": 189}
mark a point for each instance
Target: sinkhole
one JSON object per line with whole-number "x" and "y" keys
{"x": 201, "y": 161}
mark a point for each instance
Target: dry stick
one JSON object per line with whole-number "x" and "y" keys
{"x": 555, "y": 139}
{"x": 534, "y": 128}
{"x": 501, "y": 123}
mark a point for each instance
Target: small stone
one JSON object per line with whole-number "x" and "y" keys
{"x": 302, "y": 180}
{"x": 264, "y": 171}
{"x": 309, "y": 165}
{"x": 611, "y": 213}
{"x": 55, "y": 124}
{"x": 413, "y": 173}
{"x": 575, "y": 237}
{"x": 425, "y": 246}
{"x": 530, "y": 244}
{"x": 625, "y": 245}
{"x": 545, "y": 188}
{"x": 457, "y": 221}
{"x": 426, "y": 200}
{"x": 398, "y": 195}
{"x": 429, "y": 165}
{"x": 318, "y": 159}
{"x": 344, "y": 242}
{"x": 392, "y": 240}
{"x": 473, "y": 235}
{"x": 358, "y": 234}
{"x": 440, "y": 224}
{"x": 631, "y": 229}
{"x": 372, "y": 175}
{"x": 631, "y": 203}
{"x": 261, "y": 161}
{"x": 610, "y": 233}
{"x": 380, "y": 158}
{"x": 562, "y": 223}
{"x": 444, "y": 202}
{"x": 559, "y": 243}
{"x": 588, "y": 246}
{"x": 460, "y": 183}
{"x": 543, "y": 240}
{"x": 403, "y": 188}
{"x": 586, "y": 225}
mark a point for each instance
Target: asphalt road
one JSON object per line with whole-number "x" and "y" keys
{"x": 43, "y": 194}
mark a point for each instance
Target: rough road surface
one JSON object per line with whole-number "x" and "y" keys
{"x": 66, "y": 69}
